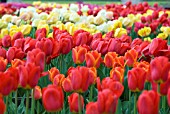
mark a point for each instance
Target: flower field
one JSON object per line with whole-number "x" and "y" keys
{"x": 84, "y": 58}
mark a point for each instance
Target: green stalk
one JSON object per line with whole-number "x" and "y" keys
{"x": 38, "y": 107}
{"x": 7, "y": 98}
{"x": 158, "y": 88}
{"x": 135, "y": 98}
{"x": 27, "y": 101}
{"x": 16, "y": 102}
{"x": 32, "y": 103}
{"x": 91, "y": 93}
{"x": 79, "y": 104}
{"x": 164, "y": 103}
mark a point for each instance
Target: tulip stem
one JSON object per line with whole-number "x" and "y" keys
{"x": 16, "y": 102}
{"x": 163, "y": 103}
{"x": 135, "y": 98}
{"x": 27, "y": 101}
{"x": 32, "y": 103}
{"x": 158, "y": 89}
{"x": 91, "y": 93}
{"x": 38, "y": 107}
{"x": 79, "y": 103}
{"x": 7, "y": 98}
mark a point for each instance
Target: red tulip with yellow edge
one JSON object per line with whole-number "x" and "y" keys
{"x": 136, "y": 79}
{"x": 37, "y": 93}
{"x": 148, "y": 102}
{"x": 93, "y": 59}
{"x": 58, "y": 79}
{"x": 52, "y": 98}
{"x": 52, "y": 73}
{"x": 117, "y": 74}
{"x": 73, "y": 102}
{"x": 17, "y": 62}
{"x": 131, "y": 57}
{"x": 78, "y": 54}
{"x": 109, "y": 59}
{"x": 160, "y": 66}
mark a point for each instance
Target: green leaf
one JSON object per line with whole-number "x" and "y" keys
{"x": 119, "y": 107}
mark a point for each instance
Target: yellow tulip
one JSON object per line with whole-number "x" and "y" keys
{"x": 36, "y": 3}
{"x": 26, "y": 29}
{"x": 119, "y": 32}
{"x": 162, "y": 35}
{"x": 4, "y": 32}
{"x": 165, "y": 30}
{"x": 50, "y": 35}
{"x": 168, "y": 12}
{"x": 14, "y": 29}
{"x": 69, "y": 27}
{"x": 7, "y": 18}
{"x": 117, "y": 24}
{"x": 144, "y": 31}
{"x": 148, "y": 39}
{"x": 149, "y": 12}
{"x": 3, "y": 24}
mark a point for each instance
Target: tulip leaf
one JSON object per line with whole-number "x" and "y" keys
{"x": 168, "y": 40}
{"x": 119, "y": 107}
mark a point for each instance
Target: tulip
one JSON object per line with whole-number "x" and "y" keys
{"x": 3, "y": 63}
{"x": 4, "y": 32}
{"x": 29, "y": 44}
{"x": 29, "y": 75}
{"x": 2, "y": 106}
{"x": 16, "y": 36}
{"x": 37, "y": 93}
{"x": 19, "y": 43}
{"x": 2, "y": 52}
{"x": 144, "y": 31}
{"x": 108, "y": 100}
{"x": 26, "y": 29}
{"x": 78, "y": 79}
{"x": 160, "y": 66}
{"x": 58, "y": 79}
{"x": 109, "y": 59}
{"x": 131, "y": 57}
{"x": 162, "y": 36}
{"x": 93, "y": 59}
{"x": 78, "y": 54}
{"x": 91, "y": 108}
{"x": 65, "y": 45}
{"x": 107, "y": 83}
{"x": 119, "y": 32}
{"x": 136, "y": 79}
{"x": 148, "y": 99}
{"x": 165, "y": 86}
{"x": 52, "y": 73}
{"x": 6, "y": 41}
{"x": 17, "y": 62}
{"x": 117, "y": 74}
{"x": 73, "y": 102}
{"x": 52, "y": 98}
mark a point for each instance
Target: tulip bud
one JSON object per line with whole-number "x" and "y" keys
{"x": 37, "y": 93}
{"x": 131, "y": 57}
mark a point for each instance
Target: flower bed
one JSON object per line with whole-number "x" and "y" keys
{"x": 84, "y": 58}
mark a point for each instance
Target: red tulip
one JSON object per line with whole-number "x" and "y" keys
{"x": 148, "y": 99}
{"x": 40, "y": 33}
{"x": 93, "y": 59}
{"x": 91, "y": 108}
{"x": 108, "y": 100}
{"x": 6, "y": 41}
{"x": 78, "y": 79}
{"x": 160, "y": 66}
{"x": 73, "y": 102}
{"x": 65, "y": 45}
{"x": 37, "y": 93}
{"x": 117, "y": 74}
{"x": 29, "y": 75}
{"x": 29, "y": 44}
{"x": 2, "y": 52}
{"x": 165, "y": 86}
{"x": 16, "y": 36}
{"x": 136, "y": 79}
{"x": 131, "y": 57}
{"x": 108, "y": 83}
{"x": 78, "y": 54}
{"x": 52, "y": 98}
{"x": 58, "y": 79}
{"x": 17, "y": 62}
{"x": 3, "y": 64}
{"x": 2, "y": 106}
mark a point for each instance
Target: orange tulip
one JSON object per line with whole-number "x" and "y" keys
{"x": 131, "y": 57}
{"x": 73, "y": 102}
{"x": 58, "y": 79}
{"x": 117, "y": 74}
{"x": 37, "y": 93}
{"x": 78, "y": 54}
{"x": 93, "y": 59}
{"x": 91, "y": 108}
{"x": 52, "y": 73}
{"x": 136, "y": 79}
{"x": 78, "y": 79}
{"x": 52, "y": 98}
{"x": 148, "y": 99}
{"x": 160, "y": 66}
{"x": 107, "y": 102}
{"x": 107, "y": 83}
{"x": 2, "y": 106}
{"x": 109, "y": 59}
{"x": 3, "y": 64}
